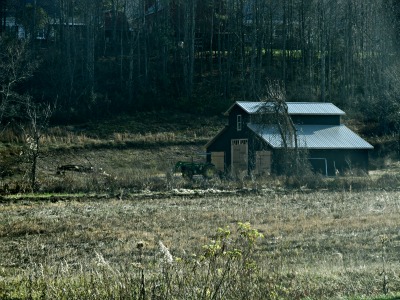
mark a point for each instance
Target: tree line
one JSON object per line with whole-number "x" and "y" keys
{"x": 110, "y": 56}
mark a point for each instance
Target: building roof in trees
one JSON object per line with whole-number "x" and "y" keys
{"x": 294, "y": 108}
{"x": 154, "y": 8}
{"x": 313, "y": 137}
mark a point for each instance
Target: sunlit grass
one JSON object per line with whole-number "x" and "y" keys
{"x": 319, "y": 245}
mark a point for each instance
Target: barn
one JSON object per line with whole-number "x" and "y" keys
{"x": 246, "y": 146}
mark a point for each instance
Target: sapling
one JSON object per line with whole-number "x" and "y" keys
{"x": 38, "y": 117}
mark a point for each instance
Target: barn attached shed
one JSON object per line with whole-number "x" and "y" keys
{"x": 245, "y": 145}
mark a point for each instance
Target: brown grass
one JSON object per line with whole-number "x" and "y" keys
{"x": 324, "y": 244}
{"x": 323, "y": 237}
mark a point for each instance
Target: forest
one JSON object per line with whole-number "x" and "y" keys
{"x": 93, "y": 59}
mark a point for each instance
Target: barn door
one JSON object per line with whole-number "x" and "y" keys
{"x": 218, "y": 159}
{"x": 239, "y": 156}
{"x": 263, "y": 162}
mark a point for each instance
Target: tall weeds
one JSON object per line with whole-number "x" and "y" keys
{"x": 319, "y": 245}
{"x": 225, "y": 268}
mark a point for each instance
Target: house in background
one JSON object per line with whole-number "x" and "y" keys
{"x": 12, "y": 27}
{"x": 246, "y": 146}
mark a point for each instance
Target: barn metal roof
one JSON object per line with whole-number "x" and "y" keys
{"x": 294, "y": 108}
{"x": 313, "y": 137}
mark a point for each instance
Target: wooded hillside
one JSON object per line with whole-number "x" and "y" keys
{"x": 95, "y": 58}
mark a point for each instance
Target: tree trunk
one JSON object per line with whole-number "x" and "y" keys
{"x": 284, "y": 40}
{"x": 322, "y": 50}
{"x": 212, "y": 37}
{"x": 189, "y": 39}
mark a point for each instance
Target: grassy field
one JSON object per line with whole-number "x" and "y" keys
{"x": 318, "y": 245}
{"x": 132, "y": 229}
{"x": 126, "y": 153}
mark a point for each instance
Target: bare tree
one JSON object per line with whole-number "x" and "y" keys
{"x": 189, "y": 39}
{"x": 274, "y": 112}
{"x": 38, "y": 117}
{"x": 15, "y": 68}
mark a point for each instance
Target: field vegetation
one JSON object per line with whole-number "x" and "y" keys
{"x": 314, "y": 245}
{"x": 132, "y": 229}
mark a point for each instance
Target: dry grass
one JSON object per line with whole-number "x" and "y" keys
{"x": 124, "y": 152}
{"x": 321, "y": 245}
{"x": 142, "y": 129}
{"x": 323, "y": 237}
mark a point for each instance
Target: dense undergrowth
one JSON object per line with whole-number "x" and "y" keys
{"x": 150, "y": 177}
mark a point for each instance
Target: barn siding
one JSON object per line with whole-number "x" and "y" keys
{"x": 233, "y": 117}
{"x": 343, "y": 160}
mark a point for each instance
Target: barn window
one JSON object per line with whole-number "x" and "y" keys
{"x": 239, "y": 123}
